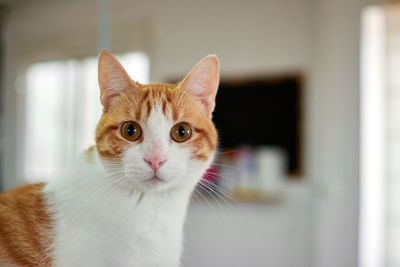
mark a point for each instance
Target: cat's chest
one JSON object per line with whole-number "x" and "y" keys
{"x": 118, "y": 235}
{"x": 155, "y": 231}
{"x": 136, "y": 244}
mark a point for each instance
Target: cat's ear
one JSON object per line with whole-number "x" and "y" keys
{"x": 203, "y": 80}
{"x": 112, "y": 77}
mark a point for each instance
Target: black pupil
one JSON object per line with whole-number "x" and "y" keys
{"x": 131, "y": 130}
{"x": 181, "y": 131}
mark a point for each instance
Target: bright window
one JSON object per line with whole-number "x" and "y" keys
{"x": 380, "y": 138}
{"x": 62, "y": 108}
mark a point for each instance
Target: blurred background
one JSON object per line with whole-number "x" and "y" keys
{"x": 307, "y": 173}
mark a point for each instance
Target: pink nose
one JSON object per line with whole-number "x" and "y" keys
{"x": 155, "y": 162}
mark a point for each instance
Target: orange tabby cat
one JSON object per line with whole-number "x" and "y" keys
{"x": 124, "y": 201}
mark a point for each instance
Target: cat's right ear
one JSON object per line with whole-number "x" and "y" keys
{"x": 202, "y": 82}
{"x": 112, "y": 77}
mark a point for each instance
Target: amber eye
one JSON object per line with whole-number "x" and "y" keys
{"x": 181, "y": 132}
{"x": 131, "y": 130}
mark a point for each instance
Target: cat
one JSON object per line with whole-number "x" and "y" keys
{"x": 122, "y": 202}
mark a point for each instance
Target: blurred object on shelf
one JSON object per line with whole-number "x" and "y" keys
{"x": 270, "y": 163}
{"x": 248, "y": 174}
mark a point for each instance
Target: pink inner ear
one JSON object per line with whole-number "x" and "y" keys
{"x": 112, "y": 77}
{"x": 209, "y": 102}
{"x": 112, "y": 86}
{"x": 203, "y": 81}
{"x": 106, "y": 99}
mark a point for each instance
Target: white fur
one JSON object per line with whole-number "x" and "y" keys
{"x": 98, "y": 220}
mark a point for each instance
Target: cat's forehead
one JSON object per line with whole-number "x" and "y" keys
{"x": 157, "y": 123}
{"x": 137, "y": 104}
{"x": 168, "y": 99}
{"x": 160, "y": 87}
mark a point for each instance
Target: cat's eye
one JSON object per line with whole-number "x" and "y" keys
{"x": 181, "y": 132}
{"x": 131, "y": 130}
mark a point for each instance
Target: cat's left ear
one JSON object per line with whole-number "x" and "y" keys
{"x": 203, "y": 80}
{"x": 112, "y": 77}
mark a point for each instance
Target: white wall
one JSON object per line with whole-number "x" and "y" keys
{"x": 317, "y": 37}
{"x": 335, "y": 131}
{"x": 249, "y": 37}
{"x": 251, "y": 235}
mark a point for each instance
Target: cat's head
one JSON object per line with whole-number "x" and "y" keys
{"x": 157, "y": 136}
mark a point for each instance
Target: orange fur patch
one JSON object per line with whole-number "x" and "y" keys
{"x": 25, "y": 228}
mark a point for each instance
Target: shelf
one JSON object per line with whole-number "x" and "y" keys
{"x": 239, "y": 196}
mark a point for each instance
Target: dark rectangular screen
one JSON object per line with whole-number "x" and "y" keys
{"x": 261, "y": 112}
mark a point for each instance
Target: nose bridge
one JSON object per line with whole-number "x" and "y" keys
{"x": 156, "y": 137}
{"x": 156, "y": 141}
{"x": 154, "y": 145}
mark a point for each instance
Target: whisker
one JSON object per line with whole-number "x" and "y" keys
{"x": 117, "y": 184}
{"x": 209, "y": 187}
{"x": 196, "y": 198}
{"x": 101, "y": 188}
{"x": 217, "y": 175}
{"x": 109, "y": 182}
{"x": 206, "y": 189}
{"x": 223, "y": 191}
{"x": 208, "y": 202}
{"x": 222, "y": 165}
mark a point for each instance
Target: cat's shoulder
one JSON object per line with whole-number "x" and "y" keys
{"x": 24, "y": 193}
{"x": 25, "y": 201}
{"x": 25, "y": 226}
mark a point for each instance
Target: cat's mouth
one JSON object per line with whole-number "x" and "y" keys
{"x": 155, "y": 180}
